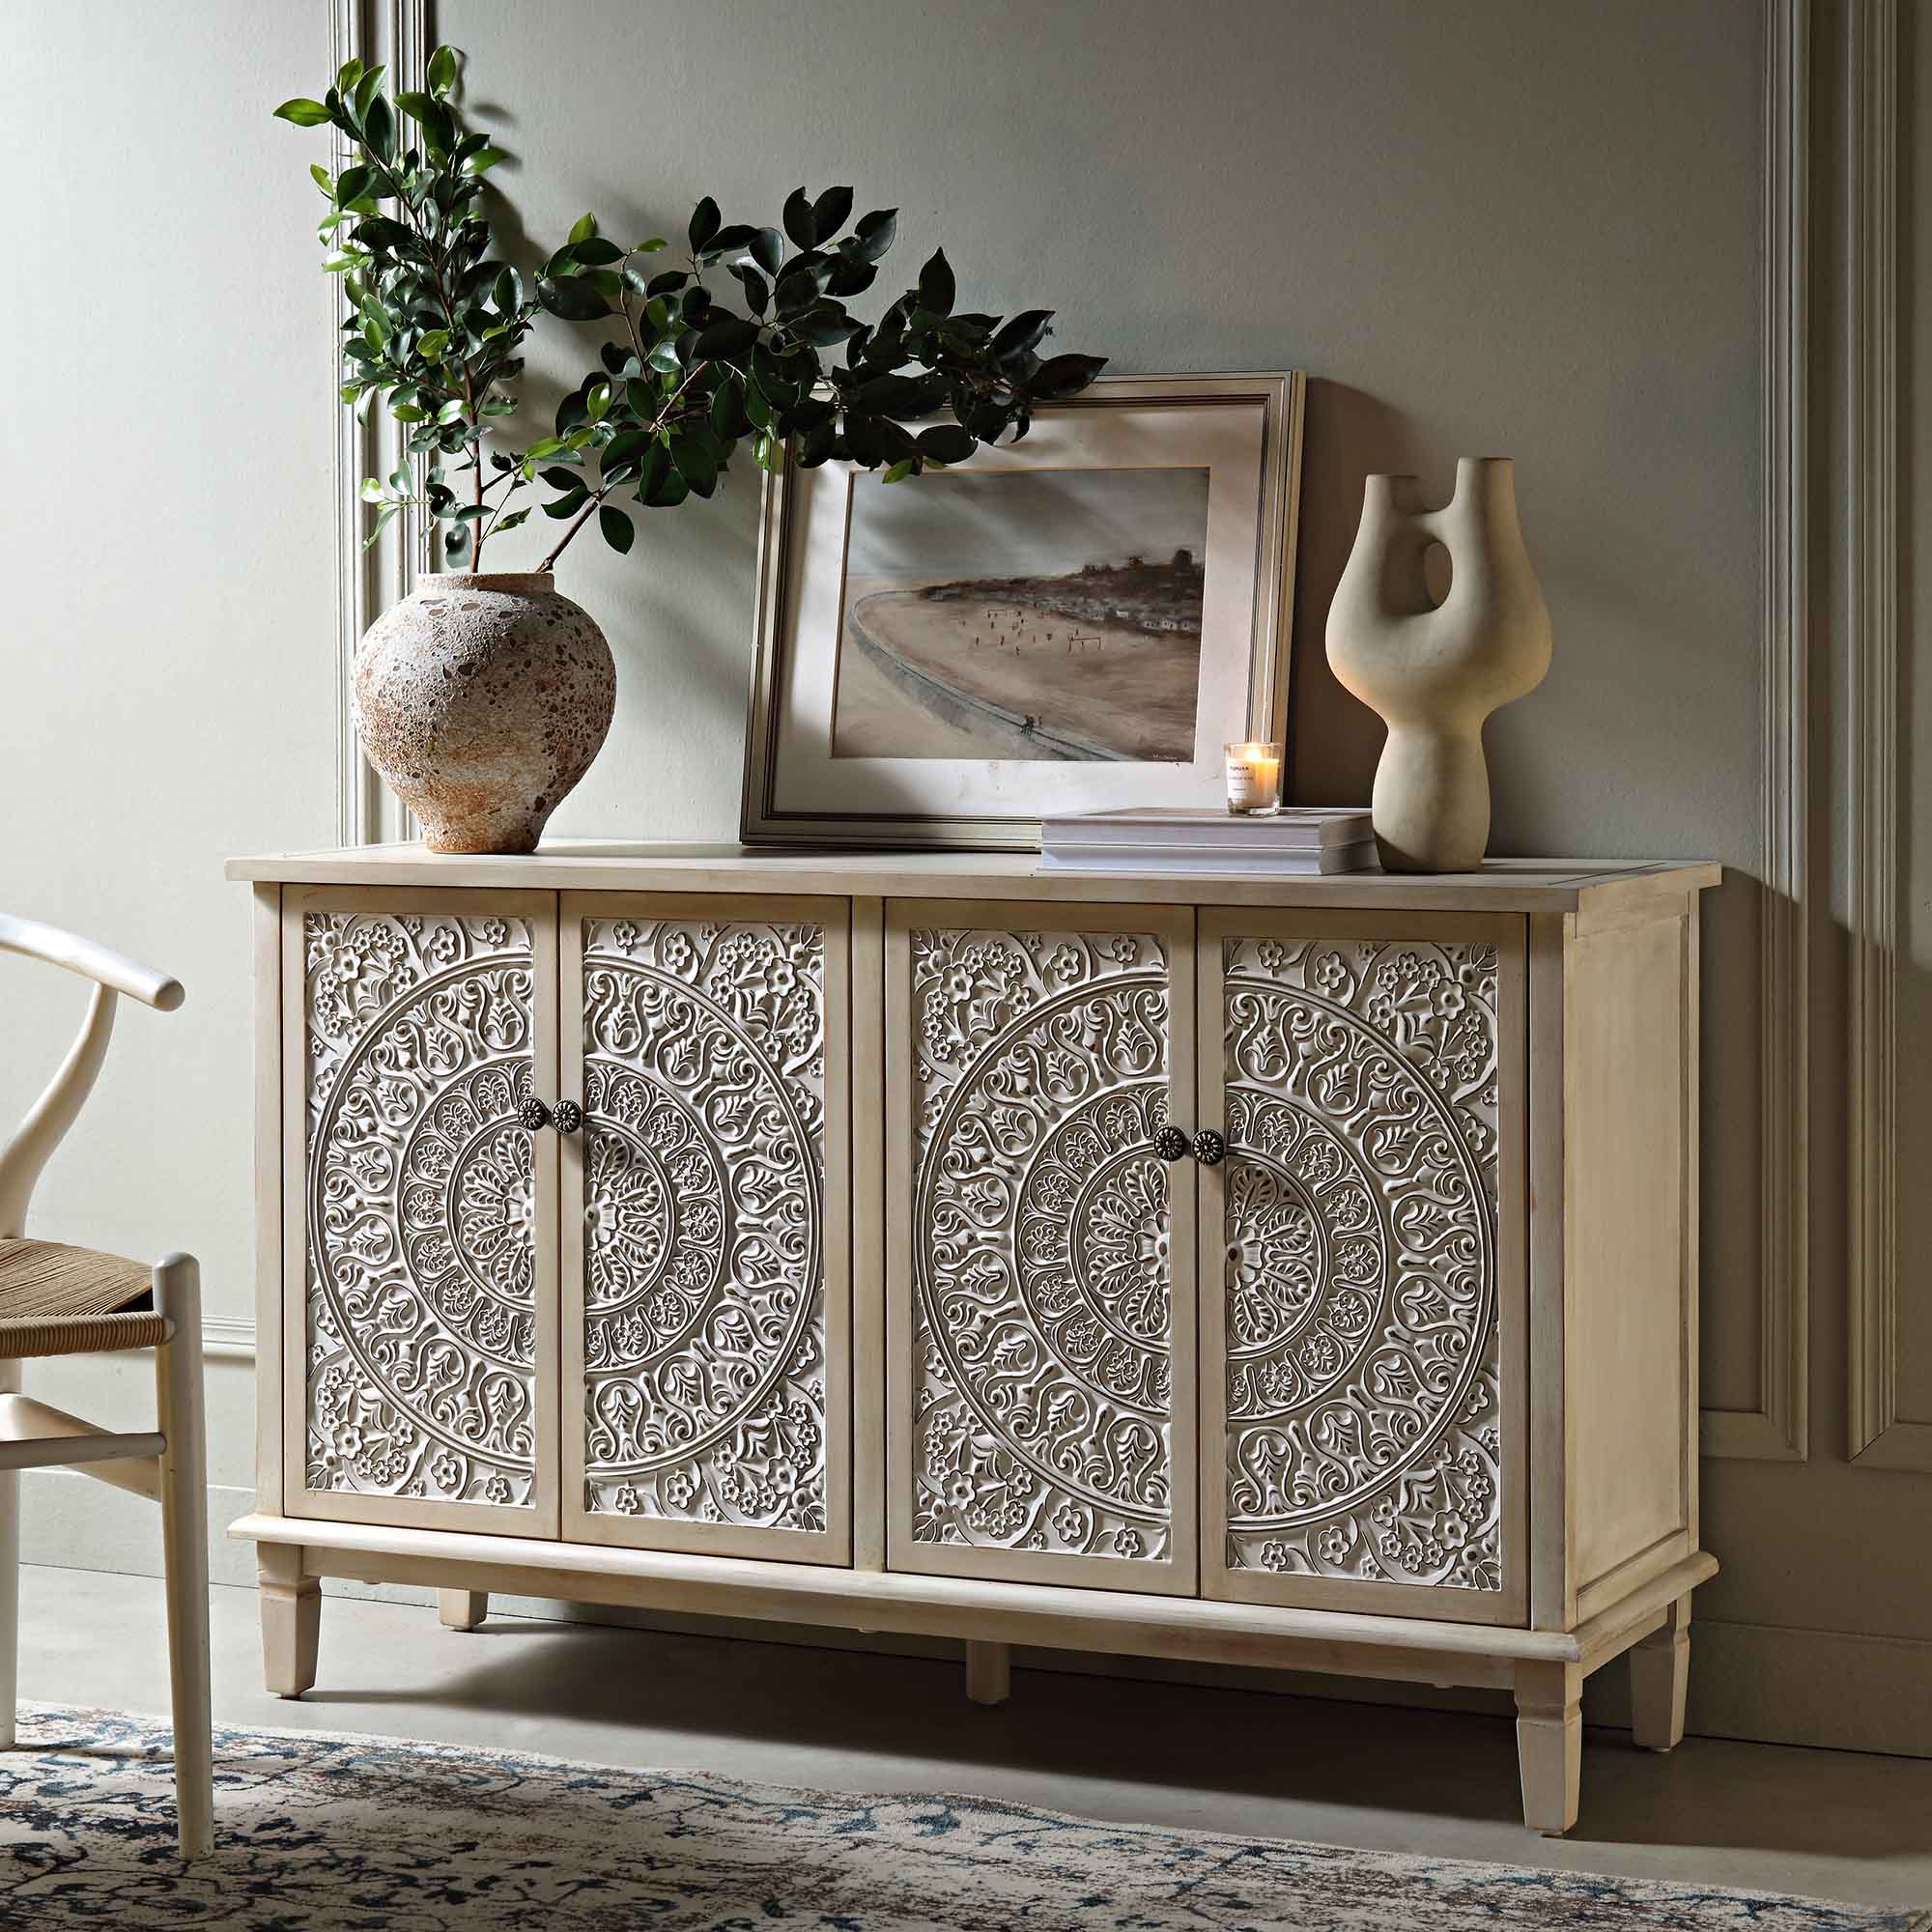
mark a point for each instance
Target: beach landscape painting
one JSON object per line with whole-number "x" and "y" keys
{"x": 1036, "y": 614}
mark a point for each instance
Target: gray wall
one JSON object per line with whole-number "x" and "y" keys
{"x": 1517, "y": 227}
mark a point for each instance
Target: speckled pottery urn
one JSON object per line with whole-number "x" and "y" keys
{"x": 482, "y": 699}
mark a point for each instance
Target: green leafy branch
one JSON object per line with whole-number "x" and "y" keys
{"x": 684, "y": 379}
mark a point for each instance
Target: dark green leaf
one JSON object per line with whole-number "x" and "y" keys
{"x": 876, "y": 233}
{"x": 768, "y": 249}
{"x": 303, "y": 112}
{"x": 379, "y": 124}
{"x": 655, "y": 470}
{"x": 815, "y": 446}
{"x": 757, "y": 291}
{"x": 946, "y": 444}
{"x": 597, "y": 403}
{"x": 483, "y": 160}
{"x": 1064, "y": 375}
{"x": 727, "y": 411}
{"x": 619, "y": 532}
{"x": 508, "y": 293}
{"x": 667, "y": 283}
{"x": 583, "y": 229}
{"x": 850, "y": 278}
{"x": 572, "y": 298}
{"x": 560, "y": 508}
{"x": 595, "y": 252}
{"x": 456, "y": 542}
{"x": 352, "y": 184}
{"x": 936, "y": 288}
{"x": 824, "y": 324}
{"x": 441, "y": 73}
{"x": 566, "y": 481}
{"x": 828, "y": 215}
{"x": 732, "y": 241}
{"x": 696, "y": 464}
{"x": 704, "y": 220}
{"x": 728, "y": 340}
{"x": 797, "y": 221}
{"x": 365, "y": 92}
{"x": 1022, "y": 334}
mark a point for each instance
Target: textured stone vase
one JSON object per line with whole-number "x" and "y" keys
{"x": 1435, "y": 672}
{"x": 482, "y": 700}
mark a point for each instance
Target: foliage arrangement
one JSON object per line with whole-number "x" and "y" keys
{"x": 436, "y": 327}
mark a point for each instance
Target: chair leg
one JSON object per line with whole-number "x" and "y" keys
{"x": 10, "y": 1577}
{"x": 185, "y": 1546}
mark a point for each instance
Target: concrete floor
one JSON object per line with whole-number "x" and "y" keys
{"x": 1833, "y": 1824}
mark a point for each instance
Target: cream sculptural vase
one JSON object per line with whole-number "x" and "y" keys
{"x": 1435, "y": 672}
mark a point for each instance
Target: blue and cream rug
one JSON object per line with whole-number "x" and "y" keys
{"x": 374, "y": 1835}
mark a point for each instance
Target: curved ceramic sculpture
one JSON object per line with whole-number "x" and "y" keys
{"x": 1435, "y": 672}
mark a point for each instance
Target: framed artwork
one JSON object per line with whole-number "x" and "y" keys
{"x": 1077, "y": 622}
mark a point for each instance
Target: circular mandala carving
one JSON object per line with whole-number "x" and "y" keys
{"x": 421, "y": 1209}
{"x": 701, "y": 1213}
{"x": 1360, "y": 1268}
{"x": 1048, "y": 1152}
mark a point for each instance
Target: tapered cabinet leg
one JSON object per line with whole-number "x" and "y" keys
{"x": 1660, "y": 1675}
{"x": 291, "y": 1619}
{"x": 1549, "y": 1745}
{"x": 462, "y": 1609}
{"x": 9, "y": 1578}
{"x": 184, "y": 1487}
{"x": 989, "y": 1671}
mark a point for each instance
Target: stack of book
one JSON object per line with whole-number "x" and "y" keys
{"x": 1297, "y": 841}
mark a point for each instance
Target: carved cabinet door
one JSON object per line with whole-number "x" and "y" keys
{"x": 419, "y": 1366}
{"x": 1363, "y": 1263}
{"x": 706, "y": 1241}
{"x": 1040, "y": 1244}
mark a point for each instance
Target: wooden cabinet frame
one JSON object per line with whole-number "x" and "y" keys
{"x": 1596, "y": 1182}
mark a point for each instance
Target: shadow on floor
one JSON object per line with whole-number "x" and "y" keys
{"x": 1202, "y": 1741}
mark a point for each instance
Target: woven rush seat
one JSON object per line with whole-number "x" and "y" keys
{"x": 59, "y": 1300}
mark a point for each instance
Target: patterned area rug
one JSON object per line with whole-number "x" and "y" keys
{"x": 379, "y": 1835}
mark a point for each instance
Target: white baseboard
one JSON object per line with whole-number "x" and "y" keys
{"x": 1793, "y": 1687}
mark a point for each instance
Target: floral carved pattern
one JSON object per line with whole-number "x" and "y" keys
{"x": 704, "y": 1337}
{"x": 1363, "y": 1391}
{"x": 421, "y": 1325}
{"x": 1042, "y": 1377}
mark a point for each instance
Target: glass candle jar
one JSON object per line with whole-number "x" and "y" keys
{"x": 1254, "y": 778}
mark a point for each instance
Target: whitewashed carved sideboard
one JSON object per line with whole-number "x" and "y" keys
{"x": 1293, "y": 1273}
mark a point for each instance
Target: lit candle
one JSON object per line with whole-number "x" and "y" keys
{"x": 1254, "y": 778}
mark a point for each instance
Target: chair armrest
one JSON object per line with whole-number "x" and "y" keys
{"x": 104, "y": 967}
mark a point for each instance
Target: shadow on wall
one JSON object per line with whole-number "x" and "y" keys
{"x": 1334, "y": 739}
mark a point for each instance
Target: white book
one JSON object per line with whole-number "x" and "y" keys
{"x": 1292, "y": 829}
{"x": 1359, "y": 857}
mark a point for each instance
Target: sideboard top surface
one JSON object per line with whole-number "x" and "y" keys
{"x": 572, "y": 864}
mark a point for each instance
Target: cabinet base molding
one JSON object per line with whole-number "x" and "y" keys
{"x": 1543, "y": 1668}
